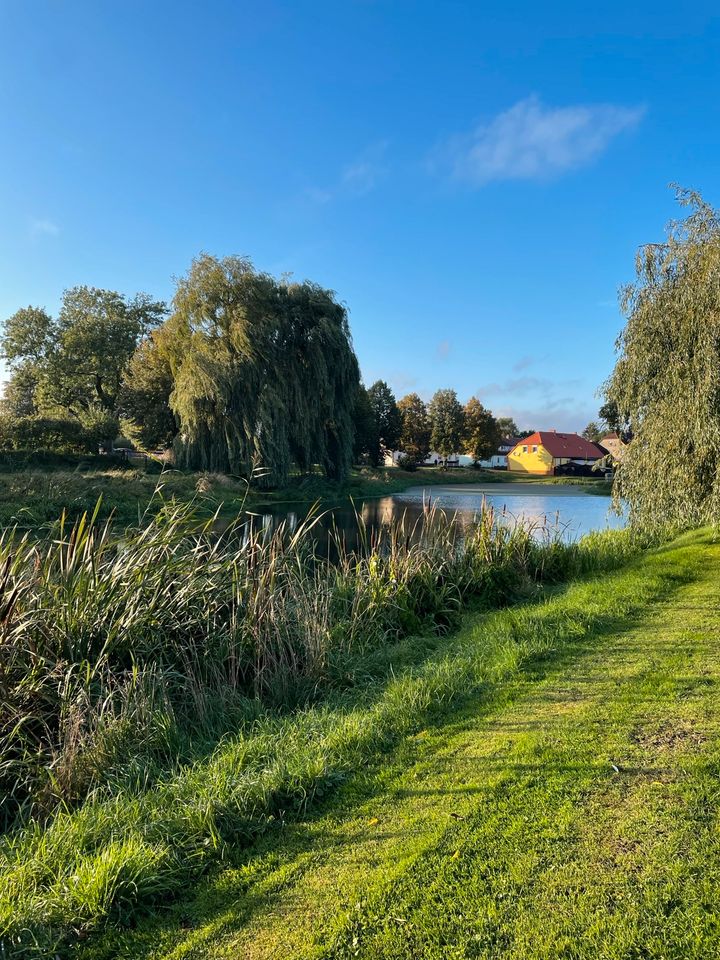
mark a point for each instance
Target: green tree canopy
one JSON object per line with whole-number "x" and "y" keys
{"x": 72, "y": 366}
{"x": 264, "y": 371}
{"x": 507, "y": 427}
{"x": 366, "y": 442}
{"x": 97, "y": 332}
{"x": 387, "y": 415}
{"x": 28, "y": 339}
{"x": 446, "y": 423}
{"x": 144, "y": 400}
{"x": 610, "y": 415}
{"x": 481, "y": 434}
{"x": 18, "y": 399}
{"x": 415, "y": 433}
{"x": 667, "y": 377}
{"x": 593, "y": 431}
{"x": 29, "y": 336}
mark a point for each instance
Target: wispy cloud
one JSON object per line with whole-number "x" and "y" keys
{"x": 539, "y": 402}
{"x": 38, "y": 227}
{"x": 357, "y": 178}
{"x": 443, "y": 349}
{"x": 554, "y": 416}
{"x": 523, "y": 363}
{"x": 514, "y": 386}
{"x": 532, "y": 141}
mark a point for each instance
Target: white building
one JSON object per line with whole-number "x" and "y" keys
{"x": 499, "y": 459}
{"x": 433, "y": 459}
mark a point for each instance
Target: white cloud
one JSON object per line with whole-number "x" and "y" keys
{"x": 43, "y": 228}
{"x": 443, "y": 349}
{"x": 531, "y": 141}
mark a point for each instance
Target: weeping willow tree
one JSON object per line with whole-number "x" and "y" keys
{"x": 264, "y": 371}
{"x": 666, "y": 383}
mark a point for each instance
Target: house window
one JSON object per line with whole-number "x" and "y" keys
{"x": 524, "y": 449}
{"x": 534, "y": 448}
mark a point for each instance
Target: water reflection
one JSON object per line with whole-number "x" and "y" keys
{"x": 567, "y": 512}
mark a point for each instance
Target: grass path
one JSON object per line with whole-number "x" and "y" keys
{"x": 572, "y": 812}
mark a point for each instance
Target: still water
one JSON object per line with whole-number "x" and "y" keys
{"x": 565, "y": 511}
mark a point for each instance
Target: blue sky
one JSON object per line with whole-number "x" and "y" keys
{"x": 473, "y": 182}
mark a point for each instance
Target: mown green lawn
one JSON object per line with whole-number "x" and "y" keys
{"x": 565, "y": 806}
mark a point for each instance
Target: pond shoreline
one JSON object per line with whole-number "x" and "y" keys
{"x": 501, "y": 488}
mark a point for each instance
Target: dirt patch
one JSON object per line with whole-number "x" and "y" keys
{"x": 669, "y": 735}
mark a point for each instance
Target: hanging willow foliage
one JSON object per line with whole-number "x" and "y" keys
{"x": 264, "y": 371}
{"x": 667, "y": 379}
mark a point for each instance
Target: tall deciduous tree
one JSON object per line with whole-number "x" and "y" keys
{"x": 28, "y": 339}
{"x": 263, "y": 371}
{"x": 508, "y": 427}
{"x": 610, "y": 414}
{"x": 446, "y": 423}
{"x": 18, "y": 399}
{"x": 480, "y": 431}
{"x": 76, "y": 362}
{"x": 667, "y": 377}
{"x": 97, "y": 332}
{"x": 387, "y": 415}
{"x": 415, "y": 433}
{"x": 366, "y": 442}
{"x": 29, "y": 336}
{"x": 593, "y": 431}
{"x": 144, "y": 401}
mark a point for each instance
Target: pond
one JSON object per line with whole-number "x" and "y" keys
{"x": 567, "y": 511}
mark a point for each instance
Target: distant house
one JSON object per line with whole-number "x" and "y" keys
{"x": 433, "y": 459}
{"x": 547, "y": 452}
{"x": 614, "y": 446}
{"x": 499, "y": 459}
{"x": 391, "y": 457}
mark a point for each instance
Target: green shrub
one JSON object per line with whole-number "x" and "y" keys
{"x": 406, "y": 462}
{"x": 46, "y": 433}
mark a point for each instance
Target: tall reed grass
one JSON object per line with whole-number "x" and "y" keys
{"x": 109, "y": 645}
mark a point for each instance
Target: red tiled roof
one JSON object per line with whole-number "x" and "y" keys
{"x": 569, "y": 445}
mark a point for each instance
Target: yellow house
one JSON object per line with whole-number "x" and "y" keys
{"x": 542, "y": 452}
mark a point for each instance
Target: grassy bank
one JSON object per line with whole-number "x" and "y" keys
{"x": 126, "y": 663}
{"x": 541, "y": 784}
{"x": 35, "y": 493}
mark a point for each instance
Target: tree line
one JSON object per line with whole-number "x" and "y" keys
{"x": 242, "y": 371}
{"x": 443, "y": 426}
